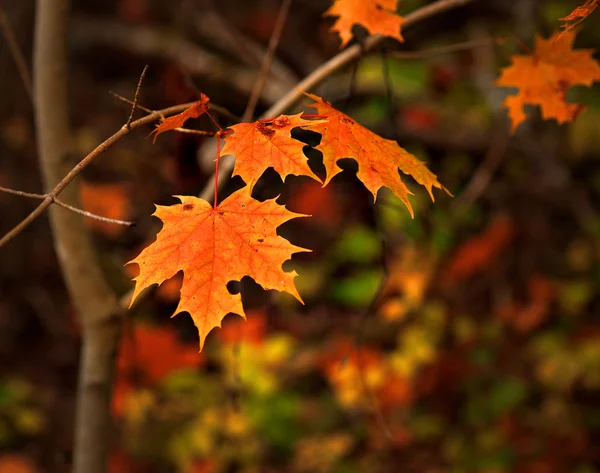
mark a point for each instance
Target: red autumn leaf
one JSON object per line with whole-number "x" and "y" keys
{"x": 544, "y": 78}
{"x": 579, "y": 14}
{"x": 377, "y": 16}
{"x": 526, "y": 317}
{"x": 252, "y": 331}
{"x": 308, "y": 198}
{"x": 213, "y": 246}
{"x": 177, "y": 121}
{"x": 155, "y": 351}
{"x": 261, "y": 145}
{"x": 478, "y": 252}
{"x": 378, "y": 159}
{"x": 148, "y": 354}
{"x": 16, "y": 463}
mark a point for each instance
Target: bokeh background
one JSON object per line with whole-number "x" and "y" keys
{"x": 465, "y": 340}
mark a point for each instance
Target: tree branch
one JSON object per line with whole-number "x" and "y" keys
{"x": 92, "y": 297}
{"x": 60, "y": 187}
{"x": 331, "y": 66}
{"x": 64, "y": 205}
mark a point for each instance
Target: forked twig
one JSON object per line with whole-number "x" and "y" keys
{"x": 104, "y": 146}
{"x": 64, "y": 205}
{"x": 138, "y": 89}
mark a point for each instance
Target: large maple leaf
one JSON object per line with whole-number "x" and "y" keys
{"x": 378, "y": 159}
{"x": 213, "y": 246}
{"x": 377, "y": 16}
{"x": 263, "y": 144}
{"x": 544, "y": 77}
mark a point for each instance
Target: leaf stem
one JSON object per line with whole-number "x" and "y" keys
{"x": 217, "y": 170}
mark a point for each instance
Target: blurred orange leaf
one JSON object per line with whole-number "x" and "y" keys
{"x": 544, "y": 77}
{"x": 527, "y": 317}
{"x": 148, "y": 354}
{"x": 253, "y": 330}
{"x": 477, "y": 253}
{"x": 154, "y": 351}
{"x": 111, "y": 200}
{"x": 16, "y": 463}
{"x": 377, "y": 16}
{"x": 309, "y": 198}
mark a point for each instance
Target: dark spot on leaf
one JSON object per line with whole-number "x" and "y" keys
{"x": 243, "y": 206}
{"x": 260, "y": 240}
{"x": 265, "y": 130}
{"x": 221, "y": 213}
{"x": 187, "y": 207}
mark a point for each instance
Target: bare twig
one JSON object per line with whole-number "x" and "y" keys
{"x": 134, "y": 105}
{"x": 433, "y": 52}
{"x": 267, "y": 61}
{"x": 210, "y": 23}
{"x": 496, "y": 151}
{"x": 328, "y": 68}
{"x": 217, "y": 108}
{"x": 64, "y": 205}
{"x": 85, "y": 162}
{"x": 150, "y": 41}
{"x": 16, "y": 53}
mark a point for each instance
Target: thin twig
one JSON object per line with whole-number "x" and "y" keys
{"x": 496, "y": 151}
{"x": 64, "y": 205}
{"x": 39, "y": 210}
{"x": 148, "y": 41}
{"x": 137, "y": 96}
{"x": 453, "y": 48}
{"x": 217, "y": 108}
{"x": 16, "y": 53}
{"x": 351, "y": 53}
{"x": 265, "y": 68}
{"x": 328, "y": 68}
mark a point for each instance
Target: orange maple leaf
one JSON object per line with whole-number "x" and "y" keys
{"x": 213, "y": 246}
{"x": 176, "y": 121}
{"x": 377, "y": 16}
{"x": 378, "y": 159}
{"x": 260, "y": 145}
{"x": 579, "y": 14}
{"x": 544, "y": 78}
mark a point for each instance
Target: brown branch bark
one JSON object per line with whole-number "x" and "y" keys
{"x": 92, "y": 297}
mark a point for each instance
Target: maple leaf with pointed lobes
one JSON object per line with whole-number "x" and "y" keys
{"x": 260, "y": 145}
{"x": 544, "y": 78}
{"x": 213, "y": 246}
{"x": 378, "y": 159}
{"x": 177, "y": 121}
{"x": 377, "y": 16}
{"x": 579, "y": 14}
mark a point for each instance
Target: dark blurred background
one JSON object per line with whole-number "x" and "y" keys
{"x": 480, "y": 353}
